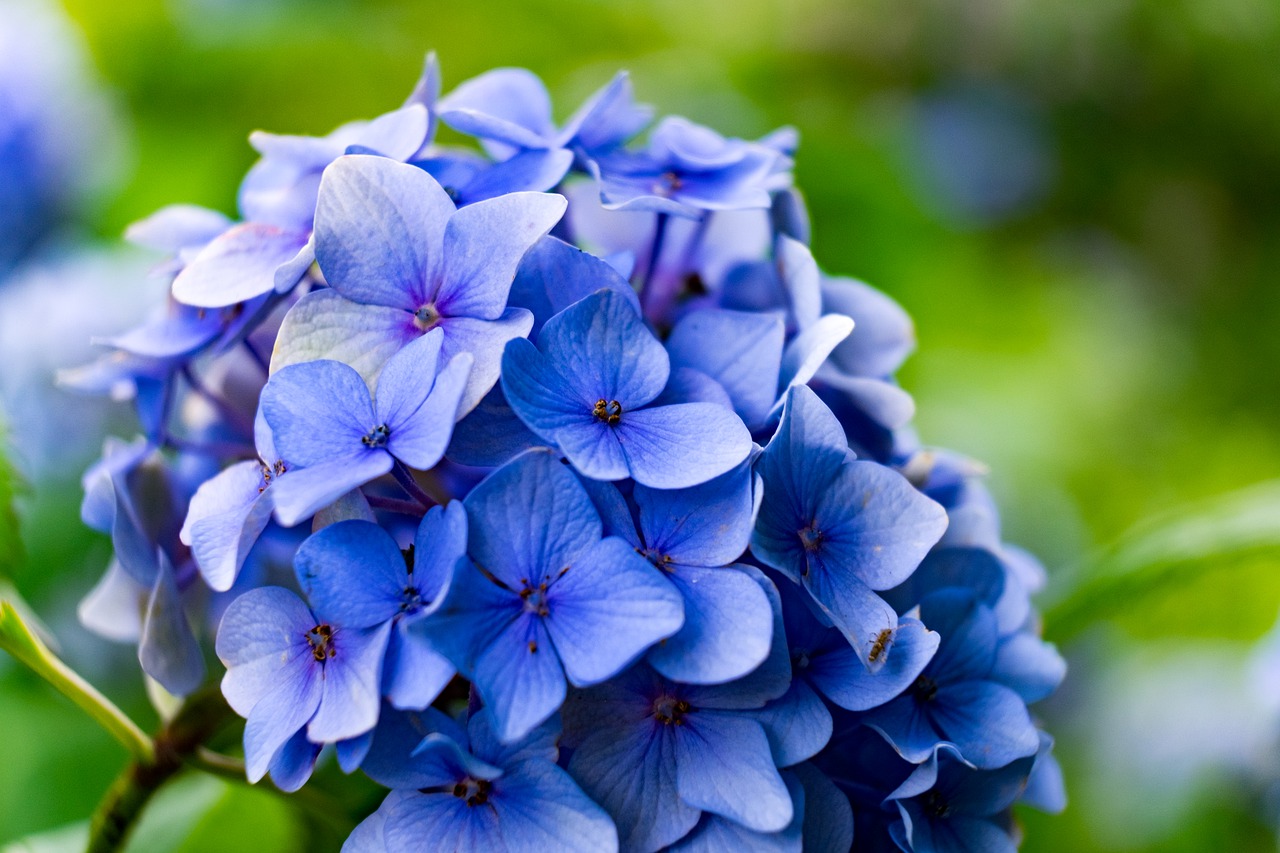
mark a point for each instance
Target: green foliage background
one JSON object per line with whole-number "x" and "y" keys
{"x": 1111, "y": 353}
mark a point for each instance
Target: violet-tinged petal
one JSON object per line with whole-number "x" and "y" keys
{"x": 724, "y": 765}
{"x": 380, "y": 231}
{"x": 168, "y": 650}
{"x": 483, "y": 245}
{"x": 675, "y": 447}
{"x": 318, "y": 412}
{"x": 237, "y": 266}
{"x": 325, "y": 325}
{"x": 507, "y": 105}
{"x": 554, "y": 274}
{"x": 808, "y": 350}
{"x": 352, "y": 685}
{"x": 305, "y": 491}
{"x": 529, "y": 171}
{"x": 544, "y": 399}
{"x": 631, "y": 772}
{"x": 728, "y": 627}
{"x": 177, "y": 226}
{"x": 607, "y": 609}
{"x": 883, "y": 335}
{"x": 353, "y": 574}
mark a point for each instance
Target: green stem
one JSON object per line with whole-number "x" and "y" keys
{"x": 200, "y": 716}
{"x": 17, "y": 639}
{"x": 314, "y": 802}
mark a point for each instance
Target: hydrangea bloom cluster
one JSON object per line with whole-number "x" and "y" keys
{"x": 550, "y": 483}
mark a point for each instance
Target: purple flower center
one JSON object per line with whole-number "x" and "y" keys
{"x": 377, "y": 436}
{"x": 426, "y": 317}
{"x": 811, "y": 537}
{"x": 474, "y": 791}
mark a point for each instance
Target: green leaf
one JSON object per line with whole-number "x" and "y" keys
{"x": 10, "y": 538}
{"x": 1209, "y": 570}
{"x": 200, "y": 814}
{"x": 64, "y": 839}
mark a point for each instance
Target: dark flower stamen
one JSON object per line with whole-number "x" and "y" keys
{"x": 474, "y": 791}
{"x": 925, "y": 689}
{"x": 608, "y": 411}
{"x": 377, "y": 436}
{"x": 321, "y": 640}
{"x": 670, "y": 711}
{"x": 426, "y": 317}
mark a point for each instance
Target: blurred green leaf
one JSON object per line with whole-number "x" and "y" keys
{"x": 64, "y": 839}
{"x": 201, "y": 814}
{"x": 1206, "y": 570}
{"x": 10, "y": 538}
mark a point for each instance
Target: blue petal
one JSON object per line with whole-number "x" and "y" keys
{"x": 318, "y": 412}
{"x": 421, "y": 429}
{"x": 740, "y": 350}
{"x": 988, "y": 722}
{"x": 714, "y": 834}
{"x": 491, "y": 434}
{"x": 292, "y": 765}
{"x": 262, "y": 636}
{"x": 540, "y": 808}
{"x": 484, "y": 341}
{"x": 168, "y": 650}
{"x": 353, "y": 574}
{"x": 883, "y": 335}
{"x": 554, "y": 274}
{"x": 976, "y": 569}
{"x": 724, "y": 765}
{"x": 842, "y": 677}
{"x": 968, "y": 630}
{"x": 483, "y": 245}
{"x": 379, "y": 231}
{"x": 439, "y": 545}
{"x": 808, "y": 350}
{"x": 446, "y": 820}
{"x": 324, "y": 325}
{"x": 226, "y": 516}
{"x": 607, "y": 608}
{"x": 352, "y": 685}
{"x": 303, "y": 492}
{"x": 728, "y": 627}
{"x": 528, "y": 171}
{"x": 675, "y": 447}
{"x": 540, "y": 395}
{"x": 471, "y": 616}
{"x": 508, "y": 105}
{"x": 1029, "y": 665}
{"x": 828, "y": 818}
{"x": 529, "y": 519}
{"x": 414, "y": 673}
{"x": 280, "y": 715}
{"x": 706, "y": 525}
{"x": 631, "y": 772}
{"x": 237, "y": 266}
{"x": 797, "y": 724}
{"x": 520, "y": 677}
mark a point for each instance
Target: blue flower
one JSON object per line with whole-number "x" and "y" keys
{"x": 656, "y": 754}
{"x": 333, "y": 436}
{"x": 957, "y": 699}
{"x": 471, "y": 791}
{"x": 687, "y": 169}
{"x": 839, "y": 527}
{"x": 948, "y": 806}
{"x": 354, "y": 572}
{"x": 692, "y": 536}
{"x": 509, "y": 110}
{"x": 401, "y": 261}
{"x": 289, "y": 668}
{"x": 547, "y": 598}
{"x": 588, "y": 387}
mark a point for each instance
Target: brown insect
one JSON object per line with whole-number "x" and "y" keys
{"x": 881, "y": 645}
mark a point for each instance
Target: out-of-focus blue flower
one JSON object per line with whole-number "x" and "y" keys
{"x": 589, "y": 388}
{"x": 401, "y": 261}
{"x": 687, "y": 169}
{"x": 334, "y": 436}
{"x": 546, "y": 597}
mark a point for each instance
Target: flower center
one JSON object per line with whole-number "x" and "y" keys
{"x": 320, "y": 639}
{"x": 936, "y": 805}
{"x": 411, "y": 600}
{"x": 810, "y": 537}
{"x": 269, "y": 471}
{"x": 426, "y": 317}
{"x": 668, "y": 184}
{"x": 670, "y": 711}
{"x": 535, "y": 599}
{"x": 609, "y": 411}
{"x": 925, "y": 689}
{"x": 377, "y": 436}
{"x": 659, "y": 559}
{"x": 474, "y": 791}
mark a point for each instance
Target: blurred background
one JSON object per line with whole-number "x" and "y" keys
{"x": 1075, "y": 199}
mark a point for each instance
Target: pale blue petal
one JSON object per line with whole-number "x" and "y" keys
{"x": 540, "y": 808}
{"x": 723, "y": 765}
{"x": 303, "y": 492}
{"x": 484, "y": 341}
{"x": 168, "y": 650}
{"x": 325, "y": 325}
{"x": 675, "y": 447}
{"x": 237, "y": 266}
{"x": 353, "y": 574}
{"x": 318, "y": 412}
{"x": 728, "y": 627}
{"x": 520, "y": 677}
{"x": 226, "y": 516}
{"x": 843, "y": 678}
{"x": 352, "y": 685}
{"x": 706, "y": 525}
{"x": 740, "y": 350}
{"x": 797, "y": 724}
